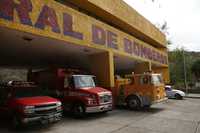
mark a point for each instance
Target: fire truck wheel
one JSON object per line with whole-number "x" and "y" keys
{"x": 16, "y": 124}
{"x": 147, "y": 106}
{"x": 133, "y": 103}
{"x": 79, "y": 110}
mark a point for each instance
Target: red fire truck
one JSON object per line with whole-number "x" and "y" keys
{"x": 78, "y": 92}
{"x": 25, "y": 103}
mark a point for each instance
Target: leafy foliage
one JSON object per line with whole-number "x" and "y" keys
{"x": 196, "y": 69}
{"x": 176, "y": 66}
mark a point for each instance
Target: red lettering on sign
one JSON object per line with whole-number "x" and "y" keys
{"x": 23, "y": 8}
{"x": 48, "y": 17}
{"x": 68, "y": 27}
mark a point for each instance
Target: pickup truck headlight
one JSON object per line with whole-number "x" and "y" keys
{"x": 58, "y": 103}
{"x": 29, "y": 109}
{"x": 59, "y": 106}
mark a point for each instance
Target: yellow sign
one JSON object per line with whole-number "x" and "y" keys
{"x": 51, "y": 19}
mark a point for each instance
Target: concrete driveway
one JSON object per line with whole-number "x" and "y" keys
{"x": 174, "y": 116}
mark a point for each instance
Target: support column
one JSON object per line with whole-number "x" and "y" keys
{"x": 142, "y": 67}
{"x": 102, "y": 66}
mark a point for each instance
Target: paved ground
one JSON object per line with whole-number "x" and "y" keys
{"x": 172, "y": 117}
{"x": 190, "y": 95}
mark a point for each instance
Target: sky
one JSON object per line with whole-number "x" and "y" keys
{"x": 182, "y": 17}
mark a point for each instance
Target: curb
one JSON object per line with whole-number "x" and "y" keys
{"x": 198, "y": 97}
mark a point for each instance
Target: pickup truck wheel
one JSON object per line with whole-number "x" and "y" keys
{"x": 79, "y": 110}
{"x": 16, "y": 124}
{"x": 178, "y": 96}
{"x": 133, "y": 103}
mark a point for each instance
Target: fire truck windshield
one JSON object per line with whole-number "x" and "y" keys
{"x": 82, "y": 81}
{"x": 156, "y": 79}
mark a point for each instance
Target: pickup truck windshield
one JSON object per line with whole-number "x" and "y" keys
{"x": 28, "y": 92}
{"x": 84, "y": 81}
{"x": 156, "y": 79}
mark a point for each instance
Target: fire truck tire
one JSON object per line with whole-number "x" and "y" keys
{"x": 147, "y": 106}
{"x": 133, "y": 103}
{"x": 16, "y": 124}
{"x": 79, "y": 110}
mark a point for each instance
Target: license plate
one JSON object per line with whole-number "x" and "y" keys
{"x": 47, "y": 119}
{"x": 51, "y": 120}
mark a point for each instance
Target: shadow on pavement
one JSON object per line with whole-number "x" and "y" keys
{"x": 143, "y": 110}
{"x": 91, "y": 116}
{"x": 5, "y": 127}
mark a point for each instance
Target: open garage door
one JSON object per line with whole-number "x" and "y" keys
{"x": 26, "y": 51}
{"x": 126, "y": 65}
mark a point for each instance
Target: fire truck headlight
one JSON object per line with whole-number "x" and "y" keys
{"x": 91, "y": 101}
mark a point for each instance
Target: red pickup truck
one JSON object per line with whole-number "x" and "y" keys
{"x": 25, "y": 103}
{"x": 78, "y": 92}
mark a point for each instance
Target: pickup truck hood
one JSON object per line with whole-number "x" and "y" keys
{"x": 94, "y": 90}
{"x": 39, "y": 100}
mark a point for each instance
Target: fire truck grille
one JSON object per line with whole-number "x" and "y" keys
{"x": 105, "y": 98}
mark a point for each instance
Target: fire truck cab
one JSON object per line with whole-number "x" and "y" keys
{"x": 139, "y": 90}
{"x": 78, "y": 92}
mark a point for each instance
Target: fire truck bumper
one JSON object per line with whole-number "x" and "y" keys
{"x": 101, "y": 108}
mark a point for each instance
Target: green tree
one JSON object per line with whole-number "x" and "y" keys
{"x": 176, "y": 66}
{"x": 196, "y": 68}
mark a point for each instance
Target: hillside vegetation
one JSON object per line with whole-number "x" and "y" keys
{"x": 176, "y": 64}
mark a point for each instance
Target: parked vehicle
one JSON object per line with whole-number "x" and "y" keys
{"x": 139, "y": 90}
{"x": 78, "y": 92}
{"x": 25, "y": 103}
{"x": 172, "y": 93}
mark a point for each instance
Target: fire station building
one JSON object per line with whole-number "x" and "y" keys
{"x": 105, "y": 37}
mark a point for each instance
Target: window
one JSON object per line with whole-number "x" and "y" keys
{"x": 156, "y": 79}
{"x": 144, "y": 79}
{"x": 4, "y": 94}
{"x": 82, "y": 81}
{"x": 168, "y": 88}
{"x": 132, "y": 80}
{"x": 61, "y": 1}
